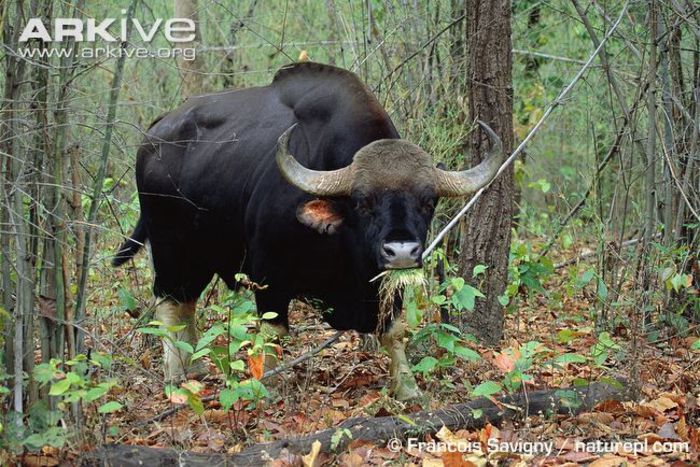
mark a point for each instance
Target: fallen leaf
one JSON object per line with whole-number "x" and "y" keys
{"x": 177, "y": 397}
{"x": 579, "y": 456}
{"x": 609, "y": 460}
{"x": 662, "y": 404}
{"x": 454, "y": 459}
{"x": 33, "y": 460}
{"x": 667, "y": 431}
{"x": 194, "y": 386}
{"x": 611, "y": 406}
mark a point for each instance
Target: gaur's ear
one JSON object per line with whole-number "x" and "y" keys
{"x": 321, "y": 215}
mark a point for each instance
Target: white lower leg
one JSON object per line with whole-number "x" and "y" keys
{"x": 174, "y": 314}
{"x": 403, "y": 383}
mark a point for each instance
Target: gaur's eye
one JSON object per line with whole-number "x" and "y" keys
{"x": 427, "y": 205}
{"x": 363, "y": 206}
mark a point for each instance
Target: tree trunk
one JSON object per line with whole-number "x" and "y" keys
{"x": 486, "y": 230}
{"x": 190, "y": 70}
{"x": 379, "y": 430}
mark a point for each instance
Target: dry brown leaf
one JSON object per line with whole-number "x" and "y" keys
{"x": 611, "y": 406}
{"x": 609, "y": 460}
{"x": 34, "y": 460}
{"x": 602, "y": 418}
{"x": 453, "y": 459}
{"x": 662, "y": 404}
{"x": 504, "y": 362}
{"x": 579, "y": 456}
{"x": 351, "y": 459}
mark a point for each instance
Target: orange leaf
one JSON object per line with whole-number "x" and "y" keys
{"x": 453, "y": 459}
{"x": 504, "y": 362}
{"x": 255, "y": 365}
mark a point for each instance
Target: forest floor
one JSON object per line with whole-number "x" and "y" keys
{"x": 344, "y": 381}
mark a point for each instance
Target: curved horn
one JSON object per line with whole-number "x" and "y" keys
{"x": 460, "y": 183}
{"x": 317, "y": 182}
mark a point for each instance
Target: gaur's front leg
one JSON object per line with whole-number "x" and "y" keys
{"x": 403, "y": 383}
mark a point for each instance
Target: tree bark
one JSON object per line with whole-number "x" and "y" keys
{"x": 379, "y": 430}
{"x": 486, "y": 230}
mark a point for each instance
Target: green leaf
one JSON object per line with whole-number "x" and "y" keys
{"x": 585, "y": 278}
{"x": 504, "y": 299}
{"x": 465, "y": 297}
{"x": 426, "y": 365}
{"x": 210, "y": 335}
{"x": 602, "y": 290}
{"x": 479, "y": 269}
{"x": 487, "y": 388}
{"x": 44, "y": 372}
{"x": 109, "y": 407}
{"x": 438, "y": 299}
{"x": 696, "y": 345}
{"x": 153, "y": 331}
{"x": 227, "y": 397}
{"x": 570, "y": 358}
{"x": 59, "y": 387}
{"x": 200, "y": 353}
{"x": 184, "y": 346}
{"x": 96, "y": 392}
{"x": 565, "y": 336}
{"x": 446, "y": 340}
{"x": 126, "y": 299}
{"x": 466, "y": 353}
{"x": 195, "y": 403}
{"x": 269, "y": 315}
{"x": 237, "y": 365}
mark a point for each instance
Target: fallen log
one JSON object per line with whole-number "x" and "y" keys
{"x": 378, "y": 430}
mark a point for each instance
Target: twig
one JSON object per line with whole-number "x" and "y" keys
{"x": 557, "y": 102}
{"x": 275, "y": 371}
{"x": 302, "y": 357}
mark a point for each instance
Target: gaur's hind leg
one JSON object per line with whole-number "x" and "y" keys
{"x": 178, "y": 319}
{"x": 179, "y": 281}
{"x": 403, "y": 383}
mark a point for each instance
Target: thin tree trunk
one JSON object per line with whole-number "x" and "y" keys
{"x": 486, "y": 231}
{"x": 190, "y": 70}
{"x": 38, "y": 106}
{"x": 15, "y": 204}
{"x": 97, "y": 188}
{"x": 58, "y": 205}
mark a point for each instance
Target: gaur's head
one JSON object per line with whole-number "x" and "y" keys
{"x": 391, "y": 189}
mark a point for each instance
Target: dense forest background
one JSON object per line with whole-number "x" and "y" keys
{"x": 601, "y": 281}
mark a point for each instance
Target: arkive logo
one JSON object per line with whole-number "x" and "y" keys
{"x": 108, "y": 31}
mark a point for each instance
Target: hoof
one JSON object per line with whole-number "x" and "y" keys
{"x": 406, "y": 389}
{"x": 405, "y": 393}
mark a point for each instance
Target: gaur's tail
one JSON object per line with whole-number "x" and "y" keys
{"x": 132, "y": 245}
